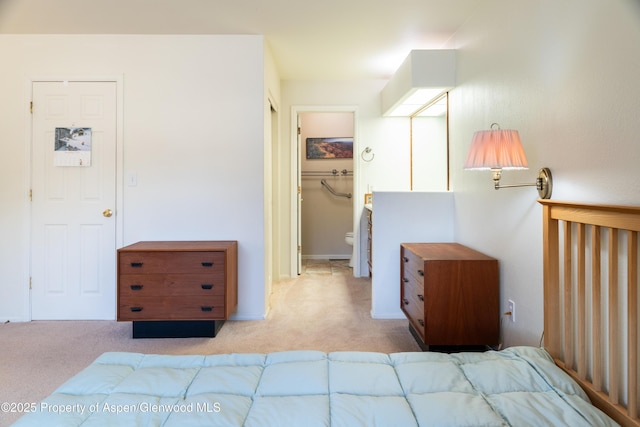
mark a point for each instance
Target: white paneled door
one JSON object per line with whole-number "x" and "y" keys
{"x": 73, "y": 244}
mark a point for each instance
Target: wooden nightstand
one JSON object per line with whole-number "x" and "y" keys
{"x": 177, "y": 289}
{"x": 450, "y": 294}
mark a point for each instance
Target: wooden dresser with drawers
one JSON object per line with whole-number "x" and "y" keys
{"x": 450, "y": 294}
{"x": 177, "y": 289}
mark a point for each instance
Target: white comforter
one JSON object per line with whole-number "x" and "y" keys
{"x": 519, "y": 386}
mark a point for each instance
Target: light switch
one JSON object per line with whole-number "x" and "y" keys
{"x": 132, "y": 180}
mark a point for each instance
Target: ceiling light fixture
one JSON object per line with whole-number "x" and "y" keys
{"x": 423, "y": 77}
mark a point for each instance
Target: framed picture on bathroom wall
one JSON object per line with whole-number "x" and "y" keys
{"x": 329, "y": 148}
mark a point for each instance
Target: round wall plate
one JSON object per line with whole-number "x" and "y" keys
{"x": 545, "y": 183}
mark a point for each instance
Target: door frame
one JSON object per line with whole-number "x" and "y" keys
{"x": 119, "y": 184}
{"x": 358, "y": 204}
{"x": 272, "y": 194}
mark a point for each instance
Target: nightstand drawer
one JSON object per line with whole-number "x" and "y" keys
{"x": 171, "y": 262}
{"x": 413, "y": 289}
{"x": 177, "y": 307}
{"x": 415, "y": 314}
{"x": 412, "y": 265}
{"x": 172, "y": 284}
{"x": 413, "y": 304}
{"x": 415, "y": 282}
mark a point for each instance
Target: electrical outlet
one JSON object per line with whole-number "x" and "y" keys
{"x": 512, "y": 309}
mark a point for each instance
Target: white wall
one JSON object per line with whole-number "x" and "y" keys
{"x": 429, "y": 153}
{"x": 403, "y": 217}
{"x": 193, "y": 132}
{"x": 565, "y": 74}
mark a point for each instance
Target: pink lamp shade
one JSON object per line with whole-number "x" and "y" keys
{"x": 496, "y": 149}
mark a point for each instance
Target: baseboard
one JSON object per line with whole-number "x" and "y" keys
{"x": 243, "y": 316}
{"x": 392, "y": 315}
{"x": 15, "y": 320}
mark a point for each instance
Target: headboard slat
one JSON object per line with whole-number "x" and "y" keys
{"x": 582, "y": 301}
{"x": 632, "y": 322}
{"x": 596, "y": 292}
{"x": 613, "y": 315}
{"x": 568, "y": 297}
{"x": 551, "y": 278}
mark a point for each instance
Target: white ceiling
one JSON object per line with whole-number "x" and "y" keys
{"x": 310, "y": 40}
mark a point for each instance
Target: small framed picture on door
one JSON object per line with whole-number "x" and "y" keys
{"x": 72, "y": 146}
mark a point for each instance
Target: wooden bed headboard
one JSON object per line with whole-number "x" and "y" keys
{"x": 591, "y": 300}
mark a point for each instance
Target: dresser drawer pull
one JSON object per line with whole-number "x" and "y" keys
{"x": 206, "y": 308}
{"x": 207, "y": 264}
{"x": 206, "y": 286}
{"x": 136, "y": 287}
{"x": 136, "y": 264}
{"x": 421, "y": 322}
{"x": 136, "y": 309}
{"x": 405, "y": 280}
{"x": 420, "y": 272}
{"x": 405, "y": 259}
{"x": 405, "y": 301}
{"x": 421, "y": 297}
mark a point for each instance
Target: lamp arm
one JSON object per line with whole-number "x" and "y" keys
{"x": 499, "y": 186}
{"x": 543, "y": 183}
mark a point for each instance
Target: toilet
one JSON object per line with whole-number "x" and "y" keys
{"x": 348, "y": 237}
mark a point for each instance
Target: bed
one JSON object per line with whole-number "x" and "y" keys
{"x": 310, "y": 388}
{"x": 590, "y": 285}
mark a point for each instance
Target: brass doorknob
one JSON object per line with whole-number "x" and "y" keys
{"x": 107, "y": 213}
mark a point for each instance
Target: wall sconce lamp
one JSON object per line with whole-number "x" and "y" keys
{"x": 498, "y": 149}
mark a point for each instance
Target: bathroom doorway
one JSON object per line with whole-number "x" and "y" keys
{"x": 326, "y": 183}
